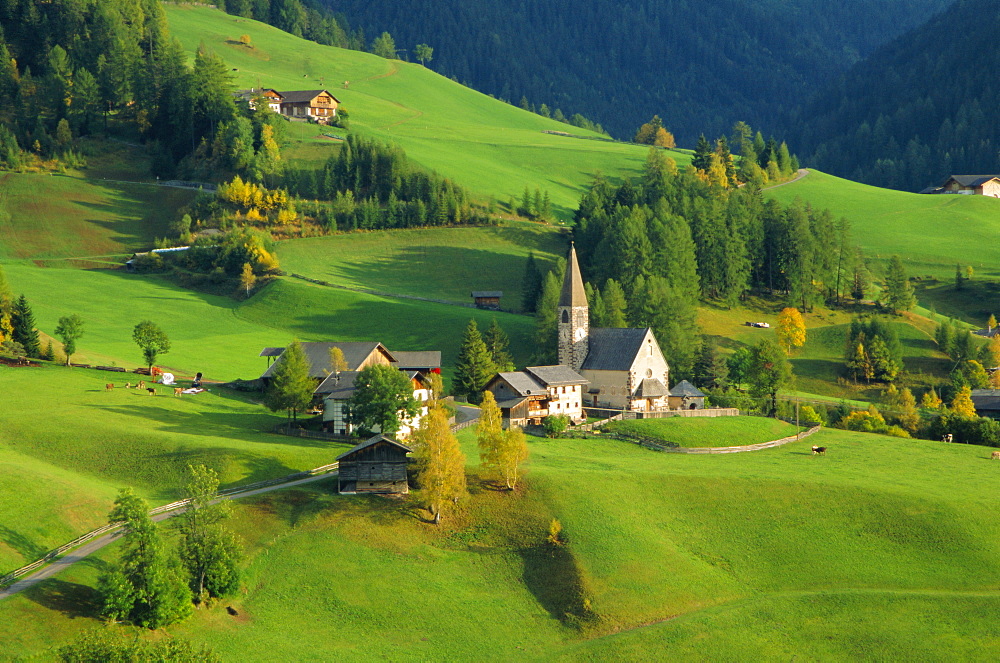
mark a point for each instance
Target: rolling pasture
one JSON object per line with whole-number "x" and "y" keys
{"x": 931, "y": 233}
{"x": 707, "y": 431}
{"x": 881, "y": 547}
{"x": 491, "y": 147}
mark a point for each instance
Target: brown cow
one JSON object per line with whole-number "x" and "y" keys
{"x": 141, "y": 385}
{"x": 178, "y": 391}
{"x": 151, "y": 391}
{"x": 996, "y": 455}
{"x": 109, "y": 386}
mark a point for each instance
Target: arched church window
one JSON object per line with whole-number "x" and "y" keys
{"x": 565, "y": 317}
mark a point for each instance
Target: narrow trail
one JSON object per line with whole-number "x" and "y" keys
{"x": 798, "y": 176}
{"x": 93, "y": 546}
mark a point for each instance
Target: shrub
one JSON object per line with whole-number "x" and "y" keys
{"x": 555, "y": 424}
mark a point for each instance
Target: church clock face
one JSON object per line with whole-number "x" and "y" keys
{"x": 579, "y": 334}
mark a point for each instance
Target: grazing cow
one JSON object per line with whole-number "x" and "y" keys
{"x": 109, "y": 386}
{"x": 151, "y": 391}
{"x": 947, "y": 437}
{"x": 128, "y": 385}
{"x": 819, "y": 451}
{"x": 996, "y": 455}
{"x": 141, "y": 385}
{"x": 178, "y": 391}
{"x": 232, "y": 611}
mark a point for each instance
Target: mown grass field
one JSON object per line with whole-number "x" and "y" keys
{"x": 491, "y": 147}
{"x": 52, "y": 216}
{"x": 707, "y": 431}
{"x": 873, "y": 551}
{"x": 440, "y": 263}
{"x": 930, "y": 233}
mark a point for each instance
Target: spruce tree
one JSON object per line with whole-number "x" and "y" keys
{"x": 531, "y": 284}
{"x": 615, "y": 305}
{"x": 474, "y": 367}
{"x": 547, "y": 320}
{"x": 497, "y": 341}
{"x": 23, "y": 322}
{"x": 290, "y": 387}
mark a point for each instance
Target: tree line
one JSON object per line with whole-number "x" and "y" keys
{"x": 651, "y": 248}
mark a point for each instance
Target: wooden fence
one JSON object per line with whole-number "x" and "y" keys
{"x": 722, "y": 450}
{"x": 173, "y": 506}
{"x": 661, "y": 414}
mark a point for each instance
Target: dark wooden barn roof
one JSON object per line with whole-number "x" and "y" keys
{"x": 372, "y": 442}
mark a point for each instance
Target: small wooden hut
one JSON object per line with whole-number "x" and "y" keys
{"x": 377, "y": 465}
{"x": 487, "y": 299}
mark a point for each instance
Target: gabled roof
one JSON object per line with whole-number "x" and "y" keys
{"x": 303, "y": 96}
{"x": 685, "y": 388}
{"x": 338, "y": 387}
{"x": 556, "y": 376}
{"x": 372, "y": 441}
{"x": 523, "y": 383}
{"x": 271, "y": 352}
{"x": 972, "y": 180}
{"x": 573, "y": 293}
{"x": 651, "y": 388}
{"x": 418, "y": 359}
{"x": 511, "y": 402}
{"x": 613, "y": 349}
{"x": 252, "y": 92}
{"x": 986, "y": 399}
{"x": 318, "y": 355}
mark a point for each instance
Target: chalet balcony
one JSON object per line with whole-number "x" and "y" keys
{"x": 538, "y": 413}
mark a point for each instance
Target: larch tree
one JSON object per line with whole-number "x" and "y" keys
{"x": 290, "y": 388}
{"x": 338, "y": 364}
{"x": 501, "y": 452}
{"x": 899, "y": 291}
{"x": 384, "y": 46}
{"x": 247, "y": 278}
{"x": 210, "y": 553}
{"x": 791, "y": 329}
{"x": 151, "y": 340}
{"x": 769, "y": 371}
{"x": 424, "y": 53}
{"x": 991, "y": 323}
{"x": 69, "y": 330}
{"x": 962, "y": 405}
{"x": 440, "y": 463}
{"x": 474, "y": 367}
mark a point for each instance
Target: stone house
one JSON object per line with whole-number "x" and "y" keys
{"x": 528, "y": 396}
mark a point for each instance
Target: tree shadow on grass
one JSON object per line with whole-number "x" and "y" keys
{"x": 69, "y": 598}
{"x": 553, "y": 576}
{"x": 28, "y": 549}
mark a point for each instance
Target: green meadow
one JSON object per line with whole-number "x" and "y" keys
{"x": 875, "y": 551}
{"x": 53, "y": 217}
{"x": 931, "y": 233}
{"x": 222, "y": 338}
{"x": 706, "y": 431}
{"x": 440, "y": 263}
{"x": 491, "y": 147}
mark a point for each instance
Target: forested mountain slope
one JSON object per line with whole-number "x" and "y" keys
{"x": 919, "y": 109}
{"x": 701, "y": 65}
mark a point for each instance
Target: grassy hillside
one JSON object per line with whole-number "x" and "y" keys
{"x": 44, "y": 216}
{"x": 222, "y": 338}
{"x": 489, "y": 146}
{"x": 930, "y": 233}
{"x": 864, "y": 553}
{"x": 706, "y": 432}
{"x": 441, "y": 263}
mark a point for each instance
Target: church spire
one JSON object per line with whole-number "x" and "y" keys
{"x": 574, "y": 317}
{"x": 573, "y": 294}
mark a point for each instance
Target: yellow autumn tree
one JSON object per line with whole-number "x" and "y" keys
{"x": 440, "y": 463}
{"x": 930, "y": 400}
{"x": 791, "y": 329}
{"x": 664, "y": 138}
{"x": 501, "y": 452}
{"x": 962, "y": 405}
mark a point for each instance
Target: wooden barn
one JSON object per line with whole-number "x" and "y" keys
{"x": 487, "y": 299}
{"x": 377, "y": 465}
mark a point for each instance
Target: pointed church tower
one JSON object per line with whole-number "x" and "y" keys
{"x": 574, "y": 317}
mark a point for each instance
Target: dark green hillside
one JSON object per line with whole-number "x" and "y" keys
{"x": 918, "y": 110}
{"x": 699, "y": 65}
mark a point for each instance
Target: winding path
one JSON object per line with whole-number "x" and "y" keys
{"x": 93, "y": 546}
{"x": 798, "y": 176}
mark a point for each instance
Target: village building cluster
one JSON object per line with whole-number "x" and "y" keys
{"x": 969, "y": 185}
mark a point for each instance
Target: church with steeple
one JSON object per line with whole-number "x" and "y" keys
{"x": 624, "y": 367}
